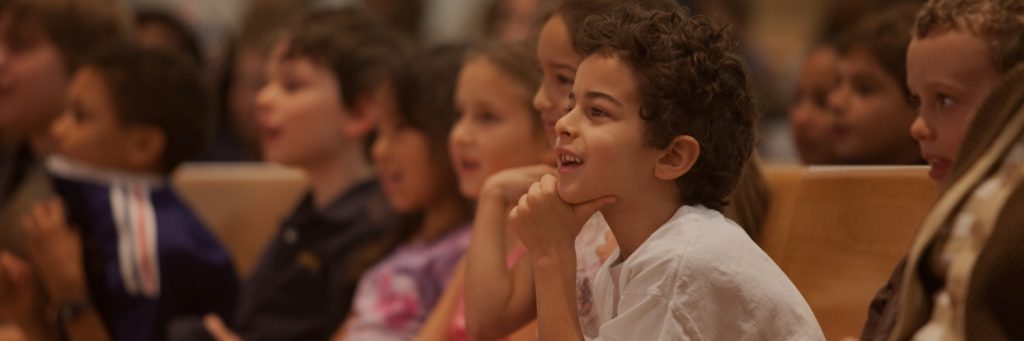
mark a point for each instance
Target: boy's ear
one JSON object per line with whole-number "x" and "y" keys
{"x": 146, "y": 147}
{"x": 677, "y": 158}
{"x": 363, "y": 116}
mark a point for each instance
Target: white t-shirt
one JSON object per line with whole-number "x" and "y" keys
{"x": 700, "y": 277}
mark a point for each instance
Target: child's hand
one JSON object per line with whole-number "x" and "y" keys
{"x": 509, "y": 185}
{"x": 56, "y": 251}
{"x": 220, "y": 332}
{"x": 17, "y": 291}
{"x": 545, "y": 223}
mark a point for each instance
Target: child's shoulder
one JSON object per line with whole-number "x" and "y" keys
{"x": 697, "y": 240}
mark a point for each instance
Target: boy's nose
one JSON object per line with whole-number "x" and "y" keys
{"x": 920, "y": 131}
{"x": 836, "y": 103}
{"x": 540, "y": 101}
{"x": 566, "y": 126}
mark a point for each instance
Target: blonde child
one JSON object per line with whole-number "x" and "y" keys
{"x": 497, "y": 130}
{"x": 959, "y": 52}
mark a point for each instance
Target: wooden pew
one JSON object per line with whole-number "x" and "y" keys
{"x": 242, "y": 203}
{"x": 839, "y": 231}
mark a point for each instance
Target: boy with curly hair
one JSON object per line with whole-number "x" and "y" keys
{"x": 661, "y": 124}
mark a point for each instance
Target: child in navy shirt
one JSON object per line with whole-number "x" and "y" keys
{"x": 120, "y": 255}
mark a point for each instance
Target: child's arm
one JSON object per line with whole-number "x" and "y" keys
{"x": 548, "y": 227}
{"x": 498, "y": 300}
{"x": 439, "y": 322}
{"x": 56, "y": 251}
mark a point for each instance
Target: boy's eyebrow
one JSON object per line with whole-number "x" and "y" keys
{"x": 597, "y": 95}
{"x": 563, "y": 67}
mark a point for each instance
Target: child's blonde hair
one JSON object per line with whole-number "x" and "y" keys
{"x": 998, "y": 23}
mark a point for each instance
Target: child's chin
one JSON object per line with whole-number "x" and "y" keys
{"x": 572, "y": 194}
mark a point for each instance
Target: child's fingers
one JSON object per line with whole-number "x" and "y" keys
{"x": 548, "y": 183}
{"x": 56, "y": 212}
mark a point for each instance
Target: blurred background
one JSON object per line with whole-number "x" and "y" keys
{"x": 775, "y": 36}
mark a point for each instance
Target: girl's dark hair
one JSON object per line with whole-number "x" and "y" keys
{"x": 690, "y": 83}
{"x": 360, "y": 50}
{"x": 426, "y": 92}
{"x": 518, "y": 61}
{"x": 160, "y": 89}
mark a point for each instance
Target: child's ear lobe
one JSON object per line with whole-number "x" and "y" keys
{"x": 677, "y": 158}
{"x": 362, "y": 118}
{"x": 146, "y": 148}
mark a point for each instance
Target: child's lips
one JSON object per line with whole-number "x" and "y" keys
{"x": 390, "y": 182}
{"x": 467, "y": 166}
{"x": 268, "y": 135}
{"x": 940, "y": 167}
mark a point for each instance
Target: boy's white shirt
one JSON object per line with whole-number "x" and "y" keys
{"x": 700, "y": 277}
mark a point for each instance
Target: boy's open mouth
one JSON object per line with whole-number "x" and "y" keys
{"x": 567, "y": 161}
{"x": 468, "y": 166}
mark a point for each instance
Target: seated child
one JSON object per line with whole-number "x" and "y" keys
{"x": 327, "y": 82}
{"x": 497, "y": 130}
{"x": 132, "y": 116}
{"x": 658, "y": 163}
{"x": 809, "y": 117}
{"x": 959, "y": 52}
{"x": 871, "y": 104}
{"x": 501, "y": 299}
{"x": 966, "y": 256}
{"x": 395, "y": 296}
{"x": 42, "y": 43}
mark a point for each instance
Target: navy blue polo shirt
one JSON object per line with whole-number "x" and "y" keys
{"x": 302, "y": 287}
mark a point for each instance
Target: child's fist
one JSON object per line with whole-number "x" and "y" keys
{"x": 544, "y": 222}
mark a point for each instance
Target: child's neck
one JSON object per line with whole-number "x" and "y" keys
{"x": 634, "y": 217}
{"x": 331, "y": 176}
{"x": 440, "y": 217}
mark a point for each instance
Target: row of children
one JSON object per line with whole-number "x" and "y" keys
{"x": 588, "y": 196}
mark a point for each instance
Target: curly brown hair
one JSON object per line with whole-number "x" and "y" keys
{"x": 691, "y": 83}
{"x": 998, "y": 23}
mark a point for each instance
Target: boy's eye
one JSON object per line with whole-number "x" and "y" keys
{"x": 914, "y": 100}
{"x": 487, "y": 117}
{"x": 563, "y": 80}
{"x": 945, "y": 101}
{"x": 597, "y": 113}
{"x": 291, "y": 86}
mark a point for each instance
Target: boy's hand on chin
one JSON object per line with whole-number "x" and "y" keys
{"x": 545, "y": 223}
